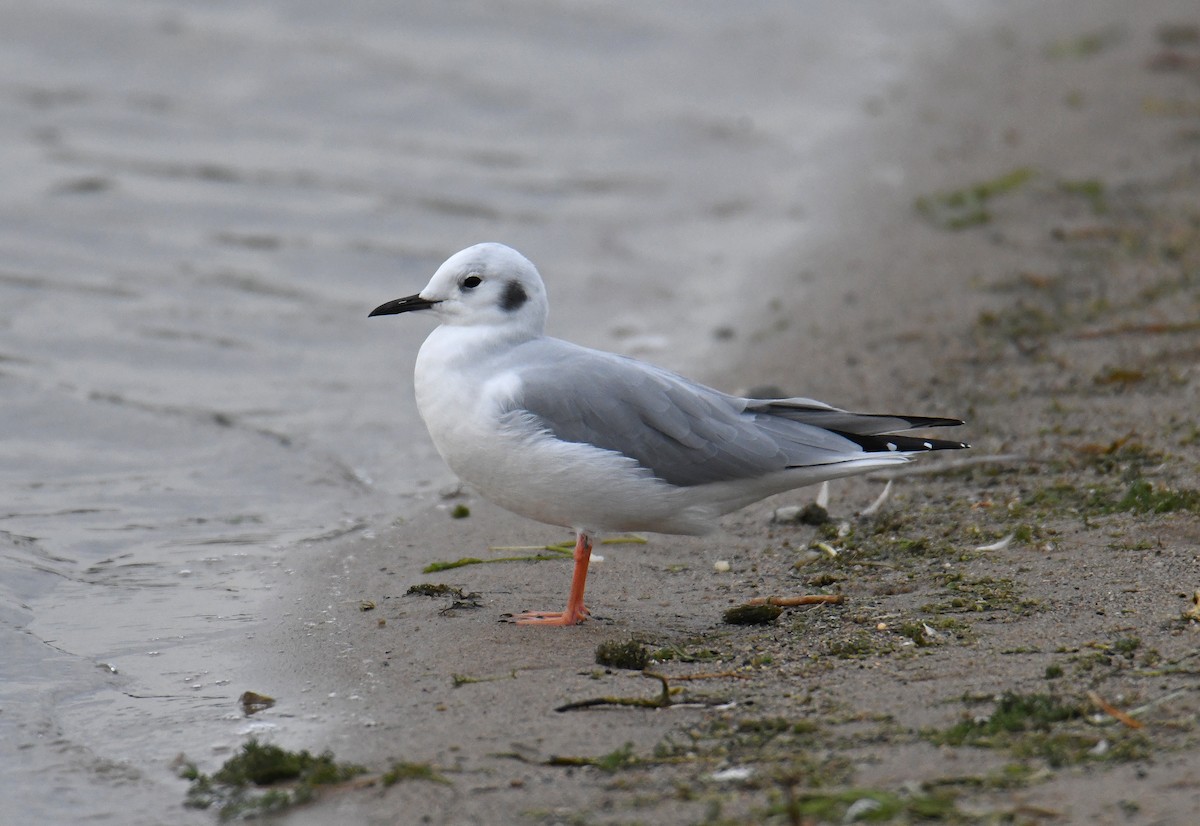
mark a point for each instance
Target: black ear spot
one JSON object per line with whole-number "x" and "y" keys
{"x": 514, "y": 296}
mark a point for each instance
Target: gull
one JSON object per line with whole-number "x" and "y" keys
{"x": 600, "y": 443}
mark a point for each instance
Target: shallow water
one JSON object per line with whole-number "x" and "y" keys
{"x": 199, "y": 203}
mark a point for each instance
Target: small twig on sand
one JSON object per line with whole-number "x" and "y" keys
{"x": 806, "y": 599}
{"x": 1111, "y": 710}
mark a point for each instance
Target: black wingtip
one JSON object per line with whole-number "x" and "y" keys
{"x": 891, "y": 443}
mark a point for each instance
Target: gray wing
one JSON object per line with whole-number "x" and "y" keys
{"x": 684, "y": 433}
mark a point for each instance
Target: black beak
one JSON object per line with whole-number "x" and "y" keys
{"x": 402, "y": 305}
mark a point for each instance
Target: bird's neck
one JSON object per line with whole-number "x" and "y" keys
{"x": 465, "y": 347}
{"x": 452, "y": 365}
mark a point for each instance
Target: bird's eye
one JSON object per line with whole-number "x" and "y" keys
{"x": 471, "y": 282}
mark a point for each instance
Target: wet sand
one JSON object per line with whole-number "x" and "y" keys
{"x": 216, "y": 231}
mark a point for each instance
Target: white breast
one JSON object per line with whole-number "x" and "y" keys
{"x": 467, "y": 405}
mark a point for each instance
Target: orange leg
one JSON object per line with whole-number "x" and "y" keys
{"x": 575, "y": 612}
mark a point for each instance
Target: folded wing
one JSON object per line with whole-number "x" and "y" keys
{"x": 685, "y": 433}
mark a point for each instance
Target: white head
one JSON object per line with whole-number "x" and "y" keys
{"x": 487, "y": 284}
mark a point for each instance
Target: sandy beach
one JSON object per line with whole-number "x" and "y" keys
{"x": 218, "y": 482}
{"x": 1059, "y": 319}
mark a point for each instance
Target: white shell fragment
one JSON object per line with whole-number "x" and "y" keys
{"x": 999, "y": 545}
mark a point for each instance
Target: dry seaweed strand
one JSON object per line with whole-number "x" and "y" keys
{"x": 713, "y": 675}
{"x": 662, "y": 701}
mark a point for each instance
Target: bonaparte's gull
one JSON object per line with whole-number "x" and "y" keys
{"x": 598, "y": 442}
